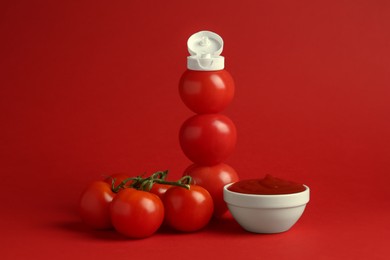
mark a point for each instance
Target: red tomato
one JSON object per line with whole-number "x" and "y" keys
{"x": 136, "y": 214}
{"x": 159, "y": 189}
{"x": 206, "y": 92}
{"x": 119, "y": 177}
{"x": 188, "y": 210}
{"x": 213, "y": 179}
{"x": 94, "y": 205}
{"x": 208, "y": 139}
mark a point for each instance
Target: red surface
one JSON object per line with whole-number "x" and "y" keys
{"x": 89, "y": 88}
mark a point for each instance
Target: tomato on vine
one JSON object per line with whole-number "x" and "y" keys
{"x": 188, "y": 210}
{"x": 133, "y": 206}
{"x": 160, "y": 189}
{"x": 94, "y": 205}
{"x": 135, "y": 213}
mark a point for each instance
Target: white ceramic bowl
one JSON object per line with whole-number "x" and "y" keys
{"x": 266, "y": 213}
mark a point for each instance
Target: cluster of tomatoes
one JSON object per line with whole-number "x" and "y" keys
{"x": 136, "y": 206}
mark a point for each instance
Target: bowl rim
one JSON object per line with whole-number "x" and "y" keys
{"x": 266, "y": 200}
{"x": 265, "y": 195}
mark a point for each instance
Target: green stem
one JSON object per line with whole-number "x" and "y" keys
{"x": 140, "y": 183}
{"x": 186, "y": 179}
{"x": 124, "y": 182}
{"x": 159, "y": 175}
{"x": 173, "y": 183}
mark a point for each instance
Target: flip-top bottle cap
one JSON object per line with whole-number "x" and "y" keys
{"x": 205, "y": 48}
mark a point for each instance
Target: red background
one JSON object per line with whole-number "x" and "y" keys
{"x": 90, "y": 88}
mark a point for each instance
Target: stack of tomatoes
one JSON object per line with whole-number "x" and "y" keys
{"x": 136, "y": 206}
{"x": 208, "y": 137}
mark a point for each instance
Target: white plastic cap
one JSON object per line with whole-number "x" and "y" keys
{"x": 205, "y": 48}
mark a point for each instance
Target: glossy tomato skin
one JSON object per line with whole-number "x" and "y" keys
{"x": 208, "y": 139}
{"x": 213, "y": 179}
{"x": 135, "y": 213}
{"x": 206, "y": 92}
{"x": 188, "y": 210}
{"x": 94, "y": 205}
{"x": 159, "y": 189}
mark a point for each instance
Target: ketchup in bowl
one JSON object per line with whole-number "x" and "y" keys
{"x": 269, "y": 185}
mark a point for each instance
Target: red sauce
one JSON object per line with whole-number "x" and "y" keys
{"x": 269, "y": 185}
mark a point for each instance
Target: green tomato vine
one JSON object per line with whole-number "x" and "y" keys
{"x": 146, "y": 184}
